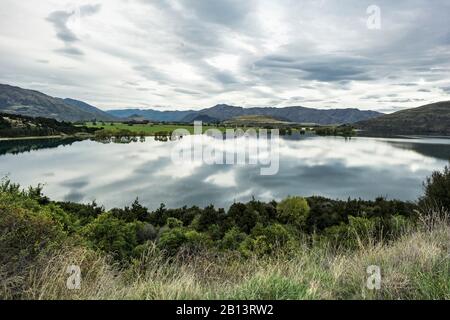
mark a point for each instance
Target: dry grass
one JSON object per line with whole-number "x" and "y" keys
{"x": 416, "y": 266}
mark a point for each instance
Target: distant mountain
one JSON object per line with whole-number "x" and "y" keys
{"x": 192, "y": 117}
{"x": 32, "y": 103}
{"x": 153, "y": 115}
{"x": 99, "y": 114}
{"x": 431, "y": 119}
{"x": 255, "y": 120}
{"x": 223, "y": 112}
{"x": 292, "y": 114}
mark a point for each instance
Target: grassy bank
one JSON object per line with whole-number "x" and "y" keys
{"x": 146, "y": 129}
{"x": 313, "y": 248}
{"x": 415, "y": 266}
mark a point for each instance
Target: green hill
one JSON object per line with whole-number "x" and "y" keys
{"x": 32, "y": 103}
{"x": 431, "y": 119}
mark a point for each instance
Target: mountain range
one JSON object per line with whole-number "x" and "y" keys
{"x": 32, "y": 103}
{"x": 223, "y": 112}
{"x": 431, "y": 119}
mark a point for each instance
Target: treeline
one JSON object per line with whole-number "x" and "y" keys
{"x": 22, "y": 126}
{"x": 247, "y": 228}
{"x": 253, "y": 228}
{"x": 16, "y": 147}
{"x": 343, "y": 130}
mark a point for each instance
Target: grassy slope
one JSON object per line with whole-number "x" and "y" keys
{"x": 36, "y": 104}
{"x": 432, "y": 119}
{"x": 415, "y": 266}
{"x": 147, "y": 128}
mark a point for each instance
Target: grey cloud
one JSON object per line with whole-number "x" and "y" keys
{"x": 371, "y": 97}
{"x": 72, "y": 51}
{"x": 225, "y": 78}
{"x": 407, "y": 84}
{"x": 185, "y": 91}
{"x": 59, "y": 19}
{"x": 89, "y": 10}
{"x": 322, "y": 68}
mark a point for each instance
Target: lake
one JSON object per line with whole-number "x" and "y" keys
{"x": 115, "y": 174}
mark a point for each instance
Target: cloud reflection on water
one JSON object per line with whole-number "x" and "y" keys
{"x": 115, "y": 174}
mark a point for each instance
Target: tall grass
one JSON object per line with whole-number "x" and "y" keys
{"x": 415, "y": 266}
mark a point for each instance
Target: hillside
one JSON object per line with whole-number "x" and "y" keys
{"x": 255, "y": 119}
{"x": 99, "y": 114}
{"x": 225, "y": 112}
{"x": 32, "y": 103}
{"x": 13, "y": 126}
{"x": 431, "y": 119}
{"x": 152, "y": 115}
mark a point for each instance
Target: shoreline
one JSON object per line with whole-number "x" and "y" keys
{"x": 44, "y": 137}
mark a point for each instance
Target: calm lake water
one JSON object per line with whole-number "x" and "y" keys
{"x": 115, "y": 174}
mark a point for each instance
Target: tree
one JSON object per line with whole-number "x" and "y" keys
{"x": 266, "y": 240}
{"x": 208, "y": 217}
{"x": 437, "y": 191}
{"x": 232, "y": 239}
{"x": 112, "y": 235}
{"x": 243, "y": 216}
{"x": 293, "y": 210}
{"x": 171, "y": 240}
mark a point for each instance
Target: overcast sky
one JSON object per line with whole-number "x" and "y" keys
{"x": 189, "y": 54}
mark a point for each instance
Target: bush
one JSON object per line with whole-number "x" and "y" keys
{"x": 172, "y": 240}
{"x": 112, "y": 235}
{"x": 437, "y": 191}
{"x": 242, "y": 216}
{"x": 25, "y": 236}
{"x": 294, "y": 210}
{"x": 232, "y": 239}
{"x": 266, "y": 240}
{"x": 146, "y": 232}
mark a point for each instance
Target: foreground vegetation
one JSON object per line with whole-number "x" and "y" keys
{"x": 298, "y": 248}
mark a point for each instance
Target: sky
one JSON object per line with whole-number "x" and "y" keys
{"x": 190, "y": 54}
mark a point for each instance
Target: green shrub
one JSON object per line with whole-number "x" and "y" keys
{"x": 232, "y": 239}
{"x": 294, "y": 210}
{"x": 171, "y": 240}
{"x": 437, "y": 191}
{"x": 174, "y": 223}
{"x": 112, "y": 235}
{"x": 266, "y": 240}
{"x": 25, "y": 237}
